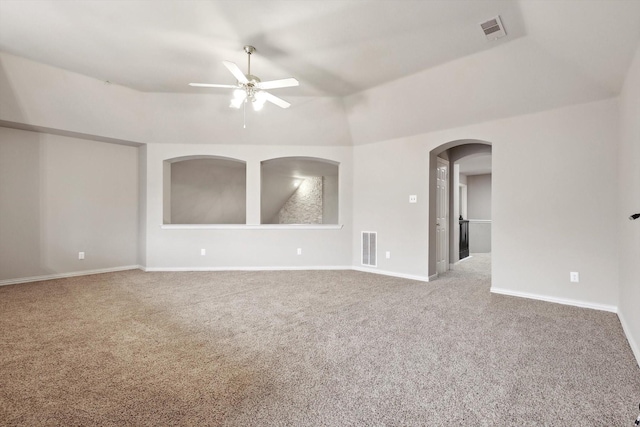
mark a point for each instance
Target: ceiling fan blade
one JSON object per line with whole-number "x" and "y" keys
{"x": 275, "y": 84}
{"x": 236, "y": 71}
{"x": 275, "y": 100}
{"x": 213, "y": 85}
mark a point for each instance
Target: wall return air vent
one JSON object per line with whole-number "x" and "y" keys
{"x": 493, "y": 28}
{"x": 369, "y": 248}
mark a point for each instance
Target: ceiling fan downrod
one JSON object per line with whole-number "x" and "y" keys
{"x": 249, "y": 49}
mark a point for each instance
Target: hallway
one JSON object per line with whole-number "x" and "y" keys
{"x": 477, "y": 264}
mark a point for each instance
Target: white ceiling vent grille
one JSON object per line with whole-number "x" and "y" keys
{"x": 493, "y": 28}
{"x": 369, "y": 248}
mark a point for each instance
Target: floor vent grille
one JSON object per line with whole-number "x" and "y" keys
{"x": 369, "y": 248}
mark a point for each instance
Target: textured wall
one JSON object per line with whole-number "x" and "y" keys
{"x": 305, "y": 205}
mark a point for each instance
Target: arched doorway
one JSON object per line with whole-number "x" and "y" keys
{"x": 444, "y": 251}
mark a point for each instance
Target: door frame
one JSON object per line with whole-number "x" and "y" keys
{"x": 442, "y": 217}
{"x": 463, "y": 147}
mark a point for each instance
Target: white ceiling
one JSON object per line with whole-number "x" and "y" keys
{"x": 334, "y": 47}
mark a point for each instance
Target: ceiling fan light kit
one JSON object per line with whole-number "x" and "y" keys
{"x": 250, "y": 88}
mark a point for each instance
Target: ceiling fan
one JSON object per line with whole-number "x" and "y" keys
{"x": 250, "y": 88}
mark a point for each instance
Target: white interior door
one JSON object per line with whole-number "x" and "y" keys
{"x": 442, "y": 217}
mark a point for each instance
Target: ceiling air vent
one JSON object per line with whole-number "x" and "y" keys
{"x": 493, "y": 28}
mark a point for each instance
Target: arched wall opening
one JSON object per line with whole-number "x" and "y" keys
{"x": 452, "y": 152}
{"x": 204, "y": 190}
{"x": 299, "y": 190}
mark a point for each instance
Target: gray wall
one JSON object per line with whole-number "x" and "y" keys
{"x": 60, "y": 196}
{"x": 330, "y": 199}
{"x": 253, "y": 245}
{"x": 629, "y": 203}
{"x": 275, "y": 190}
{"x": 479, "y": 208}
{"x": 479, "y": 237}
{"x": 479, "y": 196}
{"x": 142, "y": 205}
{"x": 208, "y": 191}
{"x": 535, "y": 259}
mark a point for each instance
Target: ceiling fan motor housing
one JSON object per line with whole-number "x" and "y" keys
{"x": 249, "y": 87}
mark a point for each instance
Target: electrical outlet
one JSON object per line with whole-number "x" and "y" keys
{"x": 388, "y": 254}
{"x": 203, "y": 251}
{"x": 574, "y": 276}
{"x": 413, "y": 198}
{"x": 80, "y": 255}
{"x": 299, "y": 251}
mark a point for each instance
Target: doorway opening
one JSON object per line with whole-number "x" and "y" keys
{"x": 466, "y": 227}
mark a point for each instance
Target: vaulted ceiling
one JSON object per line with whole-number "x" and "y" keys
{"x": 559, "y": 52}
{"x": 334, "y": 47}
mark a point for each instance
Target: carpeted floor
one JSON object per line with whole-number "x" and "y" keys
{"x": 312, "y": 348}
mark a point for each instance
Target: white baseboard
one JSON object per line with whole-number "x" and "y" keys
{"x": 391, "y": 273}
{"x": 63, "y": 275}
{"x": 260, "y": 268}
{"x": 564, "y": 301}
{"x": 632, "y": 343}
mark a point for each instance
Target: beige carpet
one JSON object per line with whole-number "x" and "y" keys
{"x": 318, "y": 348}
